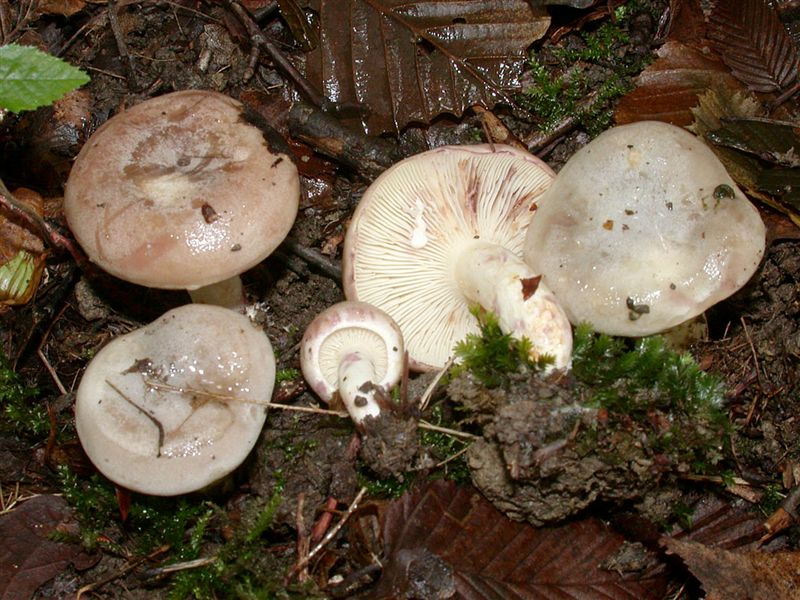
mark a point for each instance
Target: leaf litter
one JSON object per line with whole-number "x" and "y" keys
{"x": 273, "y": 507}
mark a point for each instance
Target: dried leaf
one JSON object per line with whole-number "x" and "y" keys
{"x": 668, "y": 89}
{"x": 448, "y": 541}
{"x": 740, "y": 575}
{"x": 717, "y": 522}
{"x": 28, "y": 557}
{"x": 65, "y": 8}
{"x": 22, "y": 254}
{"x": 409, "y": 61}
{"x": 753, "y": 42}
{"x": 687, "y": 22}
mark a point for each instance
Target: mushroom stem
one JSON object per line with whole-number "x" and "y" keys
{"x": 228, "y": 293}
{"x": 502, "y": 283}
{"x": 357, "y": 388}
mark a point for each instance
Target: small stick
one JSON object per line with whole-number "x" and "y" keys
{"x": 129, "y": 567}
{"x": 453, "y": 432}
{"x": 426, "y": 396}
{"x": 328, "y": 536}
{"x": 181, "y": 566}
{"x": 325, "y": 519}
{"x": 784, "y": 517}
{"x": 302, "y": 539}
{"x": 331, "y": 268}
{"x": 122, "y": 47}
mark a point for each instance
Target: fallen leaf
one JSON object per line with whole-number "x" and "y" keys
{"x": 28, "y": 557}
{"x": 409, "y": 61}
{"x": 752, "y": 41}
{"x": 22, "y": 254}
{"x": 719, "y": 523}
{"x": 446, "y": 541}
{"x": 65, "y": 8}
{"x": 668, "y": 89}
{"x": 774, "y": 141}
{"x": 746, "y": 575}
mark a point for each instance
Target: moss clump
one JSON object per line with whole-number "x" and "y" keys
{"x": 20, "y": 413}
{"x": 598, "y": 64}
{"x": 492, "y": 356}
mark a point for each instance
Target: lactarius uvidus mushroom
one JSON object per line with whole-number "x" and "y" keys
{"x": 642, "y": 230}
{"x": 181, "y": 191}
{"x": 443, "y": 230}
{"x": 178, "y": 404}
{"x": 355, "y": 350}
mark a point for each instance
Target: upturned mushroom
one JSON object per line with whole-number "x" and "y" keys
{"x": 176, "y": 405}
{"x": 181, "y": 191}
{"x": 443, "y": 230}
{"x": 642, "y": 230}
{"x": 355, "y": 350}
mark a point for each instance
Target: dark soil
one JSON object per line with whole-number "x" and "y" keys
{"x": 521, "y": 462}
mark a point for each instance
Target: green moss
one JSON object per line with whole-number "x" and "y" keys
{"x": 493, "y": 356}
{"x": 442, "y": 447}
{"x": 564, "y": 80}
{"x": 21, "y": 413}
{"x": 286, "y": 375}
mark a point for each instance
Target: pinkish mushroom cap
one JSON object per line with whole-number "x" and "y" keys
{"x": 176, "y": 405}
{"x": 180, "y": 191}
{"x": 352, "y": 348}
{"x": 642, "y": 230}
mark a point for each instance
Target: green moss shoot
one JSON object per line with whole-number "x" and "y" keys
{"x": 21, "y": 413}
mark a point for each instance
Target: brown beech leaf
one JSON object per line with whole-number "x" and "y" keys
{"x": 753, "y": 42}
{"x": 406, "y": 61}
{"x": 668, "y": 89}
{"x": 719, "y": 523}
{"x": 445, "y": 541}
{"x": 744, "y": 575}
{"x": 773, "y": 141}
{"x": 28, "y": 557}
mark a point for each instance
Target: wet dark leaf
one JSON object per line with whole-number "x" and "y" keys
{"x": 298, "y": 22}
{"x": 404, "y": 62}
{"x": 753, "y": 42}
{"x": 28, "y": 557}
{"x": 740, "y": 575}
{"x": 775, "y": 141}
{"x": 449, "y": 542}
{"x": 784, "y": 183}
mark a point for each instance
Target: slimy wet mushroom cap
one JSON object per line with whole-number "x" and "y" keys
{"x": 180, "y": 191}
{"x": 642, "y": 230}
{"x": 178, "y": 404}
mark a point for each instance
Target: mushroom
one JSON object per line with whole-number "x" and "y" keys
{"x": 443, "y": 230}
{"x": 644, "y": 229}
{"x": 356, "y": 350}
{"x": 181, "y": 191}
{"x": 176, "y": 405}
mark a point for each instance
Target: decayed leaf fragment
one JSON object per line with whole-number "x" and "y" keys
{"x": 28, "y": 557}
{"x": 408, "y": 62}
{"x": 445, "y": 541}
{"x": 740, "y": 575}
{"x": 22, "y": 254}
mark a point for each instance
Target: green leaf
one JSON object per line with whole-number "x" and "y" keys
{"x": 29, "y": 78}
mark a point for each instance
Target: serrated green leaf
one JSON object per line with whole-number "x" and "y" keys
{"x": 30, "y": 78}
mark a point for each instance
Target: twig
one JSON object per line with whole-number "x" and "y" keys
{"x": 453, "y": 432}
{"x": 129, "y": 567}
{"x": 302, "y": 539}
{"x": 426, "y": 396}
{"x": 331, "y": 268}
{"x": 301, "y": 564}
{"x": 122, "y": 47}
{"x": 784, "y": 517}
{"x": 538, "y": 141}
{"x": 41, "y": 228}
{"x": 181, "y": 566}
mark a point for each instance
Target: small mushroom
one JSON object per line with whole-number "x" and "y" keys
{"x": 178, "y": 404}
{"x": 642, "y": 230}
{"x": 443, "y": 230}
{"x": 356, "y": 350}
{"x": 181, "y": 191}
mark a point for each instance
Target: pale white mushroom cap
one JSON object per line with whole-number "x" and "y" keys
{"x": 204, "y": 373}
{"x": 644, "y": 229}
{"x": 345, "y": 328}
{"x": 180, "y": 192}
{"x": 417, "y": 218}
